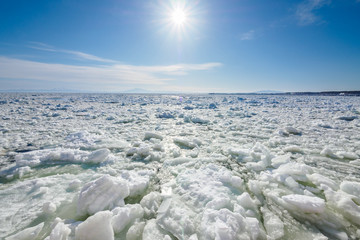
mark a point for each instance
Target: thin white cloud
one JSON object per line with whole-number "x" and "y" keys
{"x": 105, "y": 75}
{"x": 42, "y": 46}
{"x": 305, "y": 11}
{"x": 248, "y": 35}
{"x": 76, "y": 54}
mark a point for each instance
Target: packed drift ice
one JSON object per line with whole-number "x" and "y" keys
{"x": 88, "y": 166}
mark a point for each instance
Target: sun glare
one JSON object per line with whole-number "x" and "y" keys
{"x": 178, "y": 17}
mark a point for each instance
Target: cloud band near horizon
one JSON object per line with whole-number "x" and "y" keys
{"x": 114, "y": 74}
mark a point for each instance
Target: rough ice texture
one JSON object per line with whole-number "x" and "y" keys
{"x": 98, "y": 156}
{"x": 60, "y": 232}
{"x": 96, "y": 227}
{"x": 30, "y": 233}
{"x": 305, "y": 204}
{"x": 137, "y": 181}
{"x": 192, "y": 167}
{"x": 35, "y": 158}
{"x": 149, "y": 135}
{"x": 352, "y": 188}
{"x": 104, "y": 193}
{"x": 273, "y": 224}
{"x": 151, "y": 203}
{"x": 124, "y": 216}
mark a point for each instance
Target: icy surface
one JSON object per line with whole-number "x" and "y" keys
{"x": 104, "y": 193}
{"x": 199, "y": 167}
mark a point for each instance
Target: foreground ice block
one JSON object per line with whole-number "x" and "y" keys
{"x": 125, "y": 216}
{"x": 104, "y": 193}
{"x": 60, "y": 232}
{"x": 96, "y": 227}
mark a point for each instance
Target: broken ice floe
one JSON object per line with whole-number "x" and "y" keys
{"x": 156, "y": 167}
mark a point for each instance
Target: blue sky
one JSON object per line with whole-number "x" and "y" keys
{"x": 222, "y": 46}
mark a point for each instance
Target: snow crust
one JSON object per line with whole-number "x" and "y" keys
{"x": 199, "y": 167}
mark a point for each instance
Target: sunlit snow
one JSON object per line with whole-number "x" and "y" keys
{"x": 112, "y": 166}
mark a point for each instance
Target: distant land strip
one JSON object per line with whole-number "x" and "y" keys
{"x": 325, "y": 93}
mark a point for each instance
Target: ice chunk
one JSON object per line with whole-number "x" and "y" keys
{"x": 246, "y": 202}
{"x": 290, "y": 130}
{"x": 347, "y": 155}
{"x": 60, "y": 232}
{"x": 256, "y": 166}
{"x": 143, "y": 152}
{"x": 110, "y": 118}
{"x": 212, "y": 106}
{"x": 236, "y": 182}
{"x": 124, "y": 216}
{"x": 151, "y": 203}
{"x": 218, "y": 203}
{"x": 194, "y": 119}
{"x": 177, "y": 161}
{"x": 223, "y": 224}
{"x": 293, "y": 149}
{"x": 188, "y": 108}
{"x": 52, "y": 156}
{"x": 30, "y": 233}
{"x": 200, "y": 186}
{"x": 350, "y": 209}
{"x": 149, "y": 135}
{"x": 294, "y": 169}
{"x": 305, "y": 204}
{"x": 21, "y": 171}
{"x": 165, "y": 115}
{"x": 193, "y": 237}
{"x": 199, "y": 120}
{"x": 278, "y": 161}
{"x": 252, "y": 227}
{"x": 185, "y": 143}
{"x": 327, "y": 152}
{"x": 319, "y": 179}
{"x": 344, "y": 203}
{"x": 136, "y": 181}
{"x": 96, "y": 227}
{"x": 176, "y": 218}
{"x": 347, "y": 118}
{"x": 153, "y": 231}
{"x": 103, "y": 193}
{"x": 238, "y": 154}
{"x": 352, "y": 188}
{"x": 273, "y": 225}
{"x": 135, "y": 231}
{"x": 49, "y": 207}
{"x": 98, "y": 156}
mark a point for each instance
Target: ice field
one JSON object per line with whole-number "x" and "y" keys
{"x": 112, "y": 166}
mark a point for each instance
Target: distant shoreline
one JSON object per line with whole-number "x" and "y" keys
{"x": 325, "y": 93}
{"x": 322, "y": 93}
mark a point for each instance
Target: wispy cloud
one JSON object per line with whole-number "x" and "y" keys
{"x": 76, "y": 54}
{"x": 305, "y": 11}
{"x": 105, "y": 75}
{"x": 248, "y": 35}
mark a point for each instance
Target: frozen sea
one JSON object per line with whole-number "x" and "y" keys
{"x": 112, "y": 166}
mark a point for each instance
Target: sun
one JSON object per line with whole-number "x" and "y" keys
{"x": 178, "y": 17}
